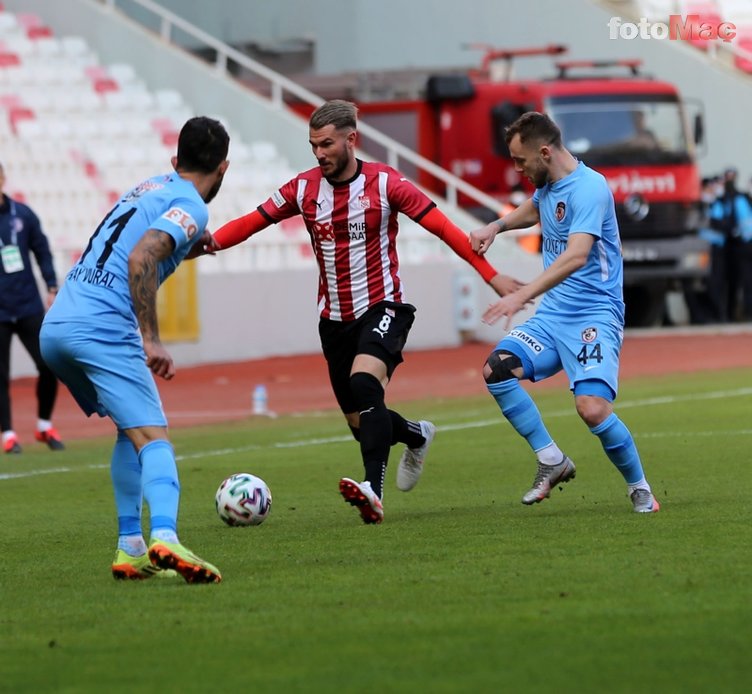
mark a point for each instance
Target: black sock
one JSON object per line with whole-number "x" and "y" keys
{"x": 375, "y": 428}
{"x": 375, "y": 434}
{"x": 406, "y": 431}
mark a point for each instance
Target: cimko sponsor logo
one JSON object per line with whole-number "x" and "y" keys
{"x": 679, "y": 28}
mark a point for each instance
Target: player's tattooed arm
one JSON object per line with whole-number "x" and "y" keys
{"x": 143, "y": 279}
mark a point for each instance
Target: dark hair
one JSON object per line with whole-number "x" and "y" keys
{"x": 534, "y": 126}
{"x": 337, "y": 112}
{"x": 202, "y": 145}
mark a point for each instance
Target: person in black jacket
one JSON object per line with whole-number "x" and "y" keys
{"x": 22, "y": 311}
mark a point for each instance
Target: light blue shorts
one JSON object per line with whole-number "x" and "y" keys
{"x": 104, "y": 367}
{"x": 586, "y": 348}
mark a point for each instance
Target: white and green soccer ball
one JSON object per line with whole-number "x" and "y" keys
{"x": 243, "y": 499}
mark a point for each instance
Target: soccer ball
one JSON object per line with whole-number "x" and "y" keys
{"x": 243, "y": 499}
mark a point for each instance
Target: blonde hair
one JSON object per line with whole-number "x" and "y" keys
{"x": 343, "y": 115}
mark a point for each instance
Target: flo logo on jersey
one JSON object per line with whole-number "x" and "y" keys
{"x": 182, "y": 219}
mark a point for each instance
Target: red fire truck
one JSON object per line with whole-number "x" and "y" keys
{"x": 631, "y": 128}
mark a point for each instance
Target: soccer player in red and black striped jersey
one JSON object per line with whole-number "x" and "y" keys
{"x": 350, "y": 209}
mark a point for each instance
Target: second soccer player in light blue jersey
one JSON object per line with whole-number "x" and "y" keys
{"x": 579, "y": 324}
{"x": 101, "y": 338}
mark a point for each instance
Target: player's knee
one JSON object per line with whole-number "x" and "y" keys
{"x": 367, "y": 390}
{"x": 502, "y": 366}
{"x": 593, "y": 409}
{"x": 355, "y": 432}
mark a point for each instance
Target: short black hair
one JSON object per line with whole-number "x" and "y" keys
{"x": 534, "y": 126}
{"x": 203, "y": 144}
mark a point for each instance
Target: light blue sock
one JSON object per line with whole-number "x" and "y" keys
{"x": 620, "y": 448}
{"x": 518, "y": 407}
{"x": 161, "y": 486}
{"x": 125, "y": 470}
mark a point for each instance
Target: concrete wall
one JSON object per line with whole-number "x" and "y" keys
{"x": 267, "y": 313}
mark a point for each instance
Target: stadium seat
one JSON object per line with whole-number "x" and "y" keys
{"x": 123, "y": 74}
{"x": 707, "y": 13}
{"x": 103, "y": 85}
{"x": 74, "y": 135}
{"x": 744, "y": 43}
{"x": 19, "y": 44}
{"x": 77, "y": 51}
{"x": 47, "y": 47}
{"x": 168, "y": 99}
{"x": 8, "y": 23}
{"x": 23, "y": 120}
{"x": 28, "y": 20}
{"x": 263, "y": 152}
{"x": 9, "y": 59}
{"x": 128, "y": 99}
{"x": 38, "y": 32}
{"x": 657, "y": 10}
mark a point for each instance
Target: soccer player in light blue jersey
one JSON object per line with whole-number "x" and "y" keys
{"x": 101, "y": 338}
{"x": 579, "y": 324}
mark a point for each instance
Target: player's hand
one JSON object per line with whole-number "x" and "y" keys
{"x": 504, "y": 284}
{"x": 481, "y": 239}
{"x": 158, "y": 359}
{"x": 206, "y": 245}
{"x": 506, "y": 306}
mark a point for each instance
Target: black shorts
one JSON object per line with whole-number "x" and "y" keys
{"x": 381, "y": 332}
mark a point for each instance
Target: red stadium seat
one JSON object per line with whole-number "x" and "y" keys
{"x": 28, "y": 19}
{"x": 707, "y": 13}
{"x": 39, "y": 32}
{"x": 8, "y": 101}
{"x": 170, "y": 138}
{"x": 9, "y": 59}
{"x": 19, "y": 113}
{"x": 744, "y": 41}
{"x": 105, "y": 84}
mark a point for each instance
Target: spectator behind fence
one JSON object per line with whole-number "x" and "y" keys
{"x": 22, "y": 312}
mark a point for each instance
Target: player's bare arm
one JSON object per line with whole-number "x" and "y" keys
{"x": 571, "y": 260}
{"x": 143, "y": 280}
{"x": 526, "y": 215}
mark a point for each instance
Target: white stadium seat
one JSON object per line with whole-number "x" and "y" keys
{"x": 70, "y": 147}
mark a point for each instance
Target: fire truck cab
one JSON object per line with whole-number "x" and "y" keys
{"x": 631, "y": 128}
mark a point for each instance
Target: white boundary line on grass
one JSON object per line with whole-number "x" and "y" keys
{"x": 458, "y": 426}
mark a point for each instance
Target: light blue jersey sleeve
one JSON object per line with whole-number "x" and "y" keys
{"x": 590, "y": 206}
{"x": 97, "y": 287}
{"x": 185, "y": 221}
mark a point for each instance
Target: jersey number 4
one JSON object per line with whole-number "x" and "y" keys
{"x": 594, "y": 353}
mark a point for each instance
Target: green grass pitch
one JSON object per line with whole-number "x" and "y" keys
{"x": 462, "y": 589}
